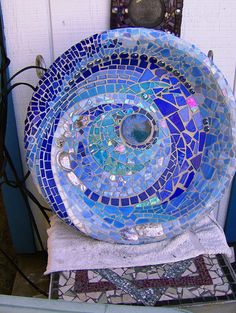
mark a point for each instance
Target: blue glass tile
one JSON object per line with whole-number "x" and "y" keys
{"x": 187, "y": 138}
{"x": 118, "y": 224}
{"x": 105, "y": 200}
{"x": 169, "y": 186}
{"x": 181, "y": 143}
{"x": 110, "y": 209}
{"x": 143, "y": 196}
{"x": 177, "y": 121}
{"x": 165, "y": 52}
{"x": 184, "y": 114}
{"x": 191, "y": 126}
{"x": 196, "y": 72}
{"x": 210, "y": 139}
{"x": 126, "y": 211}
{"x": 181, "y": 156}
{"x": 177, "y": 193}
{"x": 188, "y": 181}
{"x": 176, "y": 138}
{"x": 165, "y": 107}
{"x": 150, "y": 191}
{"x": 115, "y": 202}
{"x": 164, "y": 195}
{"x": 189, "y": 153}
{"x": 202, "y": 141}
{"x": 176, "y": 90}
{"x": 87, "y": 192}
{"x": 196, "y": 161}
{"x": 143, "y": 64}
{"x": 108, "y": 220}
{"x": 125, "y": 202}
{"x": 207, "y": 170}
{"x": 170, "y": 98}
{"x": 157, "y": 90}
{"x": 147, "y": 75}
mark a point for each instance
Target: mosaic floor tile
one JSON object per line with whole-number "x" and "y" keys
{"x": 205, "y": 278}
{"x": 129, "y": 136}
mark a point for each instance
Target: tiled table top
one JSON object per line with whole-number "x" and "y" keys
{"x": 202, "y": 279}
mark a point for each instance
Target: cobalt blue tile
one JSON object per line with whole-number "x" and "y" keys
{"x": 202, "y": 140}
{"x": 196, "y": 161}
{"x": 191, "y": 126}
{"x": 134, "y": 200}
{"x": 125, "y": 202}
{"x": 165, "y": 107}
{"x": 150, "y": 191}
{"x": 177, "y": 193}
{"x": 189, "y": 179}
{"x": 170, "y": 98}
{"x": 143, "y": 196}
{"x": 176, "y": 120}
{"x": 88, "y": 192}
{"x": 115, "y": 202}
{"x": 105, "y": 200}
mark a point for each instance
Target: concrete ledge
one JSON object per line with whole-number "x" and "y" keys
{"x": 13, "y": 304}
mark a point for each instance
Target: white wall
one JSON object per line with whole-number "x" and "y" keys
{"x": 211, "y": 25}
{"x": 49, "y": 27}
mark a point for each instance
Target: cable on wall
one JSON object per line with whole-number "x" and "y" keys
{"x": 5, "y": 157}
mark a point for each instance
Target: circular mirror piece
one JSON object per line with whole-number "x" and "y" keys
{"x": 136, "y": 129}
{"x": 146, "y": 13}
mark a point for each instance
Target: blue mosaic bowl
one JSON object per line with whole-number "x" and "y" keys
{"x": 130, "y": 136}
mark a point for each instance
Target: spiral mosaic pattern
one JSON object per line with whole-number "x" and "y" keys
{"x": 130, "y": 136}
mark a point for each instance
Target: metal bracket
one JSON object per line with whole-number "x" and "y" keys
{"x": 39, "y": 61}
{"x": 210, "y": 55}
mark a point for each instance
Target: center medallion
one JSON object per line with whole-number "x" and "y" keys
{"x": 136, "y": 129}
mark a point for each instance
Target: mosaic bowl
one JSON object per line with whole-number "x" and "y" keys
{"x": 130, "y": 136}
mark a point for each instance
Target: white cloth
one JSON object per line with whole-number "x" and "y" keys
{"x": 70, "y": 250}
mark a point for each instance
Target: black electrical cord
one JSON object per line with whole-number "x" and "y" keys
{"x": 22, "y": 273}
{"x": 35, "y": 200}
{"x": 31, "y": 217}
{"x": 22, "y": 188}
{"x": 10, "y": 183}
{"x": 18, "y": 84}
{"x": 19, "y": 184}
{"x": 25, "y": 69}
{"x": 26, "y": 177}
{"x": 24, "y": 192}
{"x": 13, "y": 184}
{"x": 5, "y": 158}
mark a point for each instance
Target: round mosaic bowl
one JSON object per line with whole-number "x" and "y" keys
{"x": 130, "y": 136}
